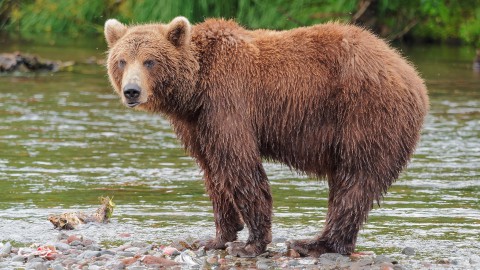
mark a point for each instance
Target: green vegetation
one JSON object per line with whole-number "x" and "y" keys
{"x": 423, "y": 20}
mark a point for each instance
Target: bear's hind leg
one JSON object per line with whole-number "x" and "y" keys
{"x": 350, "y": 200}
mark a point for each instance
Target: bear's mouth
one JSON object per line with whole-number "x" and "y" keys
{"x": 132, "y": 104}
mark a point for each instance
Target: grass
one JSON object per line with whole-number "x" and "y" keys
{"x": 437, "y": 20}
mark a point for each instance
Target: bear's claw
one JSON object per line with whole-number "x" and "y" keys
{"x": 243, "y": 250}
{"x": 309, "y": 247}
{"x": 212, "y": 244}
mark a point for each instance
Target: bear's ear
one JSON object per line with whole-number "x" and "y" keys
{"x": 178, "y": 31}
{"x": 114, "y": 30}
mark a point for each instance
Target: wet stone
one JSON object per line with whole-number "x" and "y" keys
{"x": 25, "y": 251}
{"x": 140, "y": 244}
{"x": 455, "y": 262}
{"x": 307, "y": 261}
{"x": 69, "y": 261}
{"x": 136, "y": 267}
{"x": 382, "y": 258}
{"x": 293, "y": 263}
{"x": 19, "y": 258}
{"x": 87, "y": 242}
{"x": 58, "y": 267}
{"x": 125, "y": 254}
{"x": 90, "y": 254}
{"x": 93, "y": 247}
{"x": 107, "y": 252}
{"x": 363, "y": 262}
{"x": 76, "y": 243}
{"x": 333, "y": 257}
{"x": 132, "y": 249}
{"x": 264, "y": 264}
{"x": 73, "y": 238}
{"x": 474, "y": 259}
{"x": 409, "y": 251}
{"x": 36, "y": 259}
{"x": 62, "y": 236}
{"x": 62, "y": 246}
{"x": 171, "y": 251}
{"x": 188, "y": 257}
{"x": 201, "y": 252}
{"x": 100, "y": 262}
{"x": 36, "y": 266}
{"x": 5, "y": 250}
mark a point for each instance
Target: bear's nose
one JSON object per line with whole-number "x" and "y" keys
{"x": 131, "y": 91}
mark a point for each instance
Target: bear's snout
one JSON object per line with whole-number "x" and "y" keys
{"x": 131, "y": 92}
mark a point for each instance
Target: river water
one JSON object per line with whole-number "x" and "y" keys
{"x": 65, "y": 140}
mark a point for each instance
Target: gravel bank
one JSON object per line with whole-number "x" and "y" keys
{"x": 77, "y": 252}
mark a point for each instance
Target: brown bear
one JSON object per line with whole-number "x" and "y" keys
{"x": 332, "y": 101}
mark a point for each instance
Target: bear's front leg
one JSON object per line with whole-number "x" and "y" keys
{"x": 236, "y": 181}
{"x": 253, "y": 200}
{"x": 227, "y": 219}
{"x": 244, "y": 198}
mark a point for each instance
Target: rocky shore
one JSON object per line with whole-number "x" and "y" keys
{"x": 73, "y": 251}
{"x": 76, "y": 252}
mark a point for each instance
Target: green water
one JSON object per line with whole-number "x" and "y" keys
{"x": 65, "y": 140}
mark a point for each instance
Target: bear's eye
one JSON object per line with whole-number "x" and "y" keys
{"x": 149, "y": 63}
{"x": 121, "y": 63}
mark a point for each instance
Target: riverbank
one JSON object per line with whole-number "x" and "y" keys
{"x": 74, "y": 251}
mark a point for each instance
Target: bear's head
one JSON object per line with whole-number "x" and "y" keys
{"x": 152, "y": 67}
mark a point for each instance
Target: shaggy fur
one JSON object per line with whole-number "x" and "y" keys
{"x": 329, "y": 100}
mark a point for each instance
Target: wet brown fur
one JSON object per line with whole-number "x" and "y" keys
{"x": 329, "y": 100}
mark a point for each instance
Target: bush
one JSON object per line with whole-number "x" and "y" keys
{"x": 430, "y": 20}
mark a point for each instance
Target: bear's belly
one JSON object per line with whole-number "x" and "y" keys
{"x": 304, "y": 152}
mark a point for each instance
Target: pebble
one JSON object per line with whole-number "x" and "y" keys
{"x": 125, "y": 254}
{"x": 76, "y": 243}
{"x": 263, "y": 264}
{"x": 58, "y": 267}
{"x": 90, "y": 254}
{"x": 307, "y": 261}
{"x": 382, "y": 258}
{"x": 171, "y": 251}
{"x": 132, "y": 249}
{"x": 187, "y": 257}
{"x": 74, "y": 237}
{"x": 93, "y": 247}
{"x": 76, "y": 252}
{"x": 61, "y": 246}
{"x": 36, "y": 266}
{"x": 107, "y": 252}
{"x": 139, "y": 244}
{"x": 36, "y": 259}
{"x": 19, "y": 258}
{"x": 474, "y": 259}
{"x": 409, "y": 251}
{"x": 5, "y": 250}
